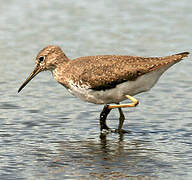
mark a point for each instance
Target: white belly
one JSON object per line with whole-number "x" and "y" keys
{"x": 117, "y": 94}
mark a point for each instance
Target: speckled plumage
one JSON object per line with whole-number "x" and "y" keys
{"x": 84, "y": 76}
{"x": 105, "y": 71}
{"x": 104, "y": 79}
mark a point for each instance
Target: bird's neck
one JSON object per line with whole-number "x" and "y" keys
{"x": 59, "y": 72}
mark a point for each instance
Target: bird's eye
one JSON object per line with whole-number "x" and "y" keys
{"x": 41, "y": 59}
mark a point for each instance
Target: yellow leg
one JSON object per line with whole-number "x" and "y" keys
{"x": 134, "y": 103}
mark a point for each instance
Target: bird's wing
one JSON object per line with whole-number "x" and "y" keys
{"x": 107, "y": 71}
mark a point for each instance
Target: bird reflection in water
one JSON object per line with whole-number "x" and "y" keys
{"x": 103, "y": 158}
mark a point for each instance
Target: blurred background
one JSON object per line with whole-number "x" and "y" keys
{"x": 46, "y": 133}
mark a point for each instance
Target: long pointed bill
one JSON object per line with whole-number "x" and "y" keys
{"x": 31, "y": 76}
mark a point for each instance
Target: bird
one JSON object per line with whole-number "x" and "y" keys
{"x": 104, "y": 79}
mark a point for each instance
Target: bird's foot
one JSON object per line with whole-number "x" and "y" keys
{"x": 107, "y": 131}
{"x": 121, "y": 131}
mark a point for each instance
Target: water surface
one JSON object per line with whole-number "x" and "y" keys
{"x": 46, "y": 133}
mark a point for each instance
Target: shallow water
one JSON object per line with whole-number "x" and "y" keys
{"x": 46, "y": 133}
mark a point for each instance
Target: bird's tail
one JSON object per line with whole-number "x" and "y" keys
{"x": 168, "y": 61}
{"x": 182, "y": 55}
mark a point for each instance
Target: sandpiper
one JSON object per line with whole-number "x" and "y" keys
{"x": 104, "y": 79}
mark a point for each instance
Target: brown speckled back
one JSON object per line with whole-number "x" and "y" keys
{"x": 105, "y": 71}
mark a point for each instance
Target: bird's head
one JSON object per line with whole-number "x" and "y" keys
{"x": 47, "y": 59}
